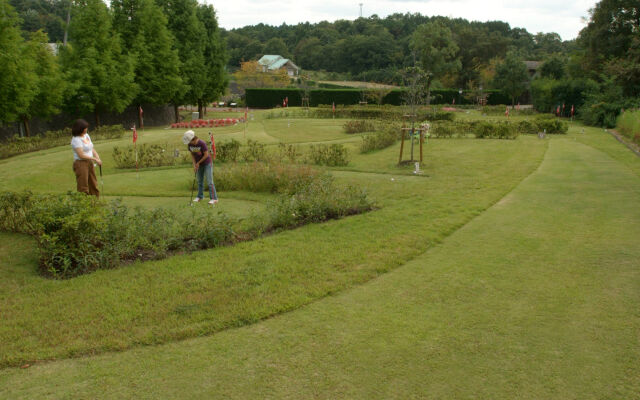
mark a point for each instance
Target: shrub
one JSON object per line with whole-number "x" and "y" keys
{"x": 77, "y": 234}
{"x": 551, "y": 124}
{"x": 317, "y": 201}
{"x": 380, "y": 140}
{"x": 228, "y": 151}
{"x": 527, "y": 126}
{"x": 255, "y": 151}
{"x": 149, "y": 155}
{"x": 359, "y": 126}
{"x": 628, "y": 124}
{"x": 288, "y": 152}
{"x": 494, "y": 130}
{"x": 264, "y": 177}
{"x": 330, "y": 155}
{"x": 448, "y": 129}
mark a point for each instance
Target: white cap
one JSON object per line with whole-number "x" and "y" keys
{"x": 188, "y": 136}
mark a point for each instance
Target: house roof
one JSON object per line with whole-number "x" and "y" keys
{"x": 272, "y": 61}
{"x": 269, "y": 59}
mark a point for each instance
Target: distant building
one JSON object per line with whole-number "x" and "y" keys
{"x": 532, "y": 67}
{"x": 271, "y": 62}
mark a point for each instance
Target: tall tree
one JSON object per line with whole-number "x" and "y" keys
{"x": 277, "y": 46}
{"x": 512, "y": 76}
{"x": 17, "y": 71}
{"x": 143, "y": 28}
{"x": 50, "y": 83}
{"x": 610, "y": 31}
{"x": 101, "y": 77}
{"x": 215, "y": 58}
{"x": 438, "y": 53}
{"x": 188, "y": 32}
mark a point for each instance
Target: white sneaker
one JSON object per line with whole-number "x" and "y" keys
{"x": 212, "y": 201}
{"x": 197, "y": 200}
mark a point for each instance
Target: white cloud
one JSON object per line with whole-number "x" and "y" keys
{"x": 564, "y": 18}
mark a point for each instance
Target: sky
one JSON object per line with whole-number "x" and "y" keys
{"x": 566, "y": 18}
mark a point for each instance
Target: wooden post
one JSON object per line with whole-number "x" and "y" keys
{"x": 421, "y": 141}
{"x": 401, "y": 145}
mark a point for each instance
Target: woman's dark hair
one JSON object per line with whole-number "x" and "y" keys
{"x": 78, "y": 127}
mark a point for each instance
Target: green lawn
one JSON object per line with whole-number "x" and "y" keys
{"x": 482, "y": 290}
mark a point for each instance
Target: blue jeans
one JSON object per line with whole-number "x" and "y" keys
{"x": 206, "y": 170}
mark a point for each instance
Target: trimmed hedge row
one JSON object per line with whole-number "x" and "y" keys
{"x": 273, "y": 97}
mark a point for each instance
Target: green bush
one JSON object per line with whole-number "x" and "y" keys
{"x": 359, "y": 126}
{"x": 317, "y": 201}
{"x": 331, "y": 155}
{"x": 77, "y": 234}
{"x": 255, "y": 151}
{"x": 149, "y": 155}
{"x": 264, "y": 177}
{"x": 288, "y": 152}
{"x": 381, "y": 139}
{"x": 228, "y": 151}
{"x": 494, "y": 130}
{"x": 628, "y": 124}
{"x": 527, "y": 126}
{"x": 551, "y": 124}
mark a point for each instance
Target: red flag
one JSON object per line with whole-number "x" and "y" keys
{"x": 558, "y": 111}
{"x": 213, "y": 145}
{"x": 135, "y": 134}
{"x": 572, "y": 110}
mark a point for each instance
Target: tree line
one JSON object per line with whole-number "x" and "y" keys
{"x": 132, "y": 53}
{"x": 598, "y": 73}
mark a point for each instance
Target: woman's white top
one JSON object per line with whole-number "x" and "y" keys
{"x": 84, "y": 143}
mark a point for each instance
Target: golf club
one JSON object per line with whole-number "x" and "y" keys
{"x": 101, "y": 181}
{"x": 193, "y": 186}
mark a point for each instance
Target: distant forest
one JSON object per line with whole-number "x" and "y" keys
{"x": 369, "y": 49}
{"x": 376, "y": 49}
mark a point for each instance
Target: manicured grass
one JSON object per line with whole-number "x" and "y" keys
{"x": 536, "y": 298}
{"x": 206, "y": 292}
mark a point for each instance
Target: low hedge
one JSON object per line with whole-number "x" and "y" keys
{"x": 21, "y": 145}
{"x": 78, "y": 234}
{"x": 273, "y": 97}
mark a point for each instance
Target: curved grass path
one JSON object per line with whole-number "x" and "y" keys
{"x": 538, "y": 297}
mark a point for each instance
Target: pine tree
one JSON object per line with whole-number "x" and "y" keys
{"x": 101, "y": 77}
{"x": 215, "y": 57}
{"x": 143, "y": 28}
{"x": 189, "y": 35}
{"x": 49, "y": 85}
{"x": 17, "y": 71}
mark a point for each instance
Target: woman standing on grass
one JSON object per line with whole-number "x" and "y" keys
{"x": 202, "y": 165}
{"x": 84, "y": 155}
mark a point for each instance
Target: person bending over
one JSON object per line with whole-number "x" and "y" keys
{"x": 202, "y": 165}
